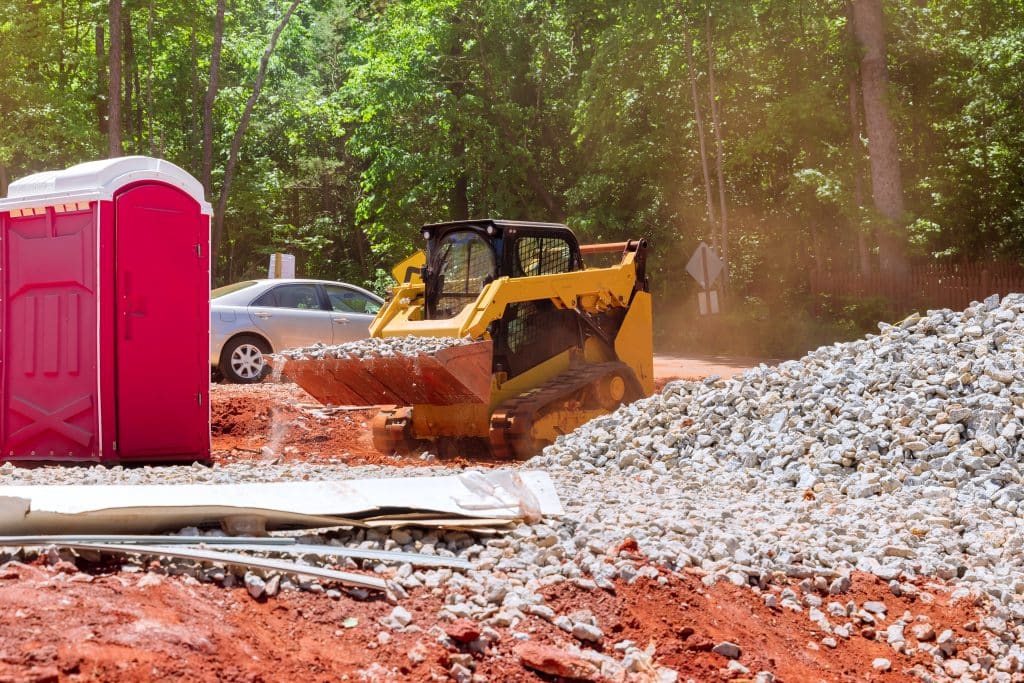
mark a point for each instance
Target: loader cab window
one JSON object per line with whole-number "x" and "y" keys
{"x": 542, "y": 256}
{"x": 463, "y": 263}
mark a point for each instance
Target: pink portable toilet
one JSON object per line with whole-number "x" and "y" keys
{"x": 105, "y": 315}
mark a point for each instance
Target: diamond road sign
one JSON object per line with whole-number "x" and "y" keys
{"x": 705, "y": 266}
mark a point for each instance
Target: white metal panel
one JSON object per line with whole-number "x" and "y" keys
{"x": 151, "y": 507}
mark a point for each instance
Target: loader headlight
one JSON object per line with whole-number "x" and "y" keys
{"x": 426, "y": 234}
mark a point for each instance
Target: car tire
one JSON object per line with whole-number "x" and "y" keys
{"x": 241, "y": 361}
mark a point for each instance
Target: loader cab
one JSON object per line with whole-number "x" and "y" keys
{"x": 463, "y": 257}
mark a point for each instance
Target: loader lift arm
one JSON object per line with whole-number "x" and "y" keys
{"x": 594, "y": 290}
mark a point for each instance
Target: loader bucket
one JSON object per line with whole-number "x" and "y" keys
{"x": 460, "y": 374}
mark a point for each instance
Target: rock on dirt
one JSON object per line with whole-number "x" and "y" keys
{"x": 727, "y": 650}
{"x": 556, "y": 662}
{"x": 463, "y": 631}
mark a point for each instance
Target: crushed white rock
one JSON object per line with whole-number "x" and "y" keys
{"x": 376, "y": 347}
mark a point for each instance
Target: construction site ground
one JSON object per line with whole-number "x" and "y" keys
{"x": 104, "y": 625}
{"x": 101, "y": 623}
{"x": 282, "y": 423}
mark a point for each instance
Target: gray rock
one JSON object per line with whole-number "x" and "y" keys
{"x": 956, "y": 667}
{"x": 399, "y": 618}
{"x": 255, "y": 585}
{"x": 923, "y": 633}
{"x": 727, "y": 650}
{"x": 875, "y": 607}
{"x": 839, "y": 585}
{"x": 946, "y": 643}
{"x": 587, "y": 632}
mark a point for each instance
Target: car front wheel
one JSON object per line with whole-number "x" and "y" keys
{"x": 242, "y": 362}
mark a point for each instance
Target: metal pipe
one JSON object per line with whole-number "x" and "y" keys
{"x": 201, "y": 555}
{"x": 152, "y": 539}
{"x": 248, "y": 544}
{"x": 415, "y": 559}
{"x": 606, "y": 247}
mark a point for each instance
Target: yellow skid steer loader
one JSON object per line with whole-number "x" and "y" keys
{"x": 555, "y": 343}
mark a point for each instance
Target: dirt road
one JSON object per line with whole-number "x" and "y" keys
{"x": 668, "y": 367}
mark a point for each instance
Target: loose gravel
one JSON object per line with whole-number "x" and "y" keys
{"x": 898, "y": 455}
{"x": 376, "y": 347}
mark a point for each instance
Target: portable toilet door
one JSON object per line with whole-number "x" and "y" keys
{"x": 163, "y": 323}
{"x": 104, "y": 315}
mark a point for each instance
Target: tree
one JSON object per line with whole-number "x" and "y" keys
{"x": 702, "y": 145}
{"x": 243, "y": 125}
{"x": 375, "y": 117}
{"x": 853, "y": 104}
{"x": 883, "y": 151}
{"x": 211, "y": 94}
{"x": 114, "y": 82}
{"x": 716, "y": 120}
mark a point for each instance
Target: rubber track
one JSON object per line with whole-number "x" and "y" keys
{"x": 512, "y": 421}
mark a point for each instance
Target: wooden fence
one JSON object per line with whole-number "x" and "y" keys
{"x": 927, "y": 286}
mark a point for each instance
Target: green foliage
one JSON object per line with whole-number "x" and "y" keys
{"x": 377, "y": 117}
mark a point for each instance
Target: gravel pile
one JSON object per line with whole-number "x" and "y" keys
{"x": 377, "y": 347}
{"x": 898, "y": 452}
{"x": 936, "y": 401}
{"x": 897, "y": 455}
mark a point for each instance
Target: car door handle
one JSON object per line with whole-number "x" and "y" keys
{"x": 262, "y": 315}
{"x": 340, "y": 321}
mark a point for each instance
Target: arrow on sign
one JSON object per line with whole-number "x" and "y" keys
{"x": 705, "y": 266}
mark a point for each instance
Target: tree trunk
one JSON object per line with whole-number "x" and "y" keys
{"x": 856, "y": 154}
{"x": 243, "y": 124}
{"x": 138, "y": 124}
{"x": 127, "y": 68}
{"x": 555, "y": 211}
{"x": 114, "y": 82}
{"x": 883, "y": 152}
{"x": 195, "y": 112}
{"x": 863, "y": 253}
{"x": 460, "y": 190}
{"x": 61, "y": 61}
{"x": 699, "y": 118}
{"x": 149, "y": 80}
{"x": 101, "y": 82}
{"x": 362, "y": 246}
{"x": 4, "y": 181}
{"x": 719, "y": 158}
{"x": 211, "y": 94}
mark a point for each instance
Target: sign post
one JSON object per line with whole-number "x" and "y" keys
{"x": 705, "y": 266}
{"x": 282, "y": 267}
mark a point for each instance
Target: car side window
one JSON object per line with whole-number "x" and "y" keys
{"x": 303, "y": 297}
{"x": 345, "y": 300}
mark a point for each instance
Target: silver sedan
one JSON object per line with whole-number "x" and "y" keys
{"x": 256, "y": 317}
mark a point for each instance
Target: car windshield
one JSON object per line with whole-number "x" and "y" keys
{"x": 231, "y": 289}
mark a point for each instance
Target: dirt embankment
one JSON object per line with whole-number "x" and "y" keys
{"x": 64, "y": 625}
{"x": 282, "y": 422}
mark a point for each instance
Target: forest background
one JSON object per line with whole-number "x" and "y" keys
{"x": 792, "y": 135}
